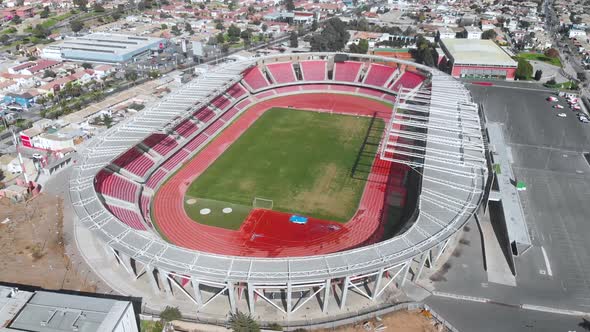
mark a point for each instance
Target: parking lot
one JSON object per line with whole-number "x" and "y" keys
{"x": 548, "y": 156}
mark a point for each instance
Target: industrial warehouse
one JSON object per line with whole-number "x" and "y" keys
{"x": 103, "y": 48}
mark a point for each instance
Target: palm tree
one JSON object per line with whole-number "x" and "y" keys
{"x": 241, "y": 322}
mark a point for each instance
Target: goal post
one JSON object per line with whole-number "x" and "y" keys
{"x": 262, "y": 203}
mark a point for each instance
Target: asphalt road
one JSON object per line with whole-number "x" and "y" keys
{"x": 555, "y": 272}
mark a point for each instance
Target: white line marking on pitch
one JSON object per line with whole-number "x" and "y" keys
{"x": 549, "y": 272}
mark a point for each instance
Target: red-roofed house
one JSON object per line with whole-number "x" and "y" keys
{"x": 16, "y": 69}
{"x": 41, "y": 66}
{"x": 20, "y": 11}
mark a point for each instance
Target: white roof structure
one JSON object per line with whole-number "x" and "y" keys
{"x": 452, "y": 186}
{"x": 42, "y": 311}
{"x": 476, "y": 52}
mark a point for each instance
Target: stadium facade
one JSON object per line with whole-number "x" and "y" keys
{"x": 438, "y": 133}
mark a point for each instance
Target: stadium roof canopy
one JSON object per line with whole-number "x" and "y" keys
{"x": 476, "y": 52}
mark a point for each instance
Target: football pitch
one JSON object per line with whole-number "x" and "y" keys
{"x": 303, "y": 161}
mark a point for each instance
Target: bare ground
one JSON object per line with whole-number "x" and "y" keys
{"x": 399, "y": 321}
{"x": 32, "y": 246}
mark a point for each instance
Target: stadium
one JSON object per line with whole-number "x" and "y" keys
{"x": 287, "y": 180}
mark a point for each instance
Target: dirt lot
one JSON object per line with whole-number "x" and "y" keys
{"x": 32, "y": 246}
{"x": 399, "y": 321}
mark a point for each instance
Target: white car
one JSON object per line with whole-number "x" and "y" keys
{"x": 583, "y": 118}
{"x": 37, "y": 156}
{"x": 562, "y": 115}
{"x": 558, "y": 106}
{"x": 551, "y": 98}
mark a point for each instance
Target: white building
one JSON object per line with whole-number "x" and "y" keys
{"x": 42, "y": 311}
{"x": 446, "y": 33}
{"x": 473, "y": 32}
{"x": 574, "y": 33}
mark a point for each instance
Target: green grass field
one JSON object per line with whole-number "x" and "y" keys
{"x": 539, "y": 57}
{"x": 301, "y": 160}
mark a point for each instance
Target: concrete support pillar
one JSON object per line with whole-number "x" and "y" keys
{"x": 231, "y": 292}
{"x": 166, "y": 286}
{"x": 344, "y": 291}
{"x": 126, "y": 262}
{"x": 289, "y": 297}
{"x": 407, "y": 269}
{"x": 110, "y": 254}
{"x": 423, "y": 259}
{"x": 378, "y": 278}
{"x": 442, "y": 248}
{"x": 251, "y": 298}
{"x": 149, "y": 271}
{"x": 197, "y": 291}
{"x": 326, "y": 295}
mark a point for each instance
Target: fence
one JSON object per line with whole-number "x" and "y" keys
{"x": 331, "y": 322}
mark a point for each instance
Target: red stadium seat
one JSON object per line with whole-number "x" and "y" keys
{"x": 113, "y": 185}
{"x": 129, "y": 217}
{"x": 255, "y": 79}
{"x": 347, "y": 71}
{"x": 134, "y": 161}
{"x": 313, "y": 70}
{"x": 282, "y": 72}
{"x": 379, "y": 75}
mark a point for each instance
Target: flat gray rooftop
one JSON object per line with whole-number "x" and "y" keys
{"x": 108, "y": 43}
{"x": 476, "y": 52}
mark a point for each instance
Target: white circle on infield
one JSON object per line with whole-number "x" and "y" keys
{"x": 227, "y": 210}
{"x": 191, "y": 201}
{"x": 205, "y": 211}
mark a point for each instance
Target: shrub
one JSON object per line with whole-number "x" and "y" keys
{"x": 241, "y": 322}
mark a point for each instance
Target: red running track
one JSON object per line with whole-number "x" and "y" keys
{"x": 269, "y": 233}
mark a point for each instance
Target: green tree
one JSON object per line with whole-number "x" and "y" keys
{"x": 294, "y": 39}
{"x": 225, "y": 48}
{"x": 552, "y": 53}
{"x": 39, "y": 31}
{"x": 188, "y": 28}
{"x": 175, "y": 30}
{"x": 538, "y": 75}
{"x": 131, "y": 75}
{"x": 425, "y": 52}
{"x": 289, "y": 5}
{"x": 332, "y": 38}
{"x": 116, "y": 15}
{"x": 264, "y": 27}
{"x": 163, "y": 26}
{"x": 220, "y": 38}
{"x": 361, "y": 48}
{"x": 76, "y": 25}
{"x": 107, "y": 120}
{"x": 98, "y": 8}
{"x": 241, "y": 322}
{"x": 233, "y": 32}
{"x": 86, "y": 65}
{"x": 154, "y": 74}
{"x": 219, "y": 26}
{"x": 314, "y": 25}
{"x": 49, "y": 73}
{"x": 170, "y": 313}
{"x": 524, "y": 70}
{"x": 489, "y": 34}
{"x": 16, "y": 20}
{"x": 81, "y": 4}
{"x": 44, "y": 13}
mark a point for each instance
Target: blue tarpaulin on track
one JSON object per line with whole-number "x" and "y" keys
{"x": 298, "y": 219}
